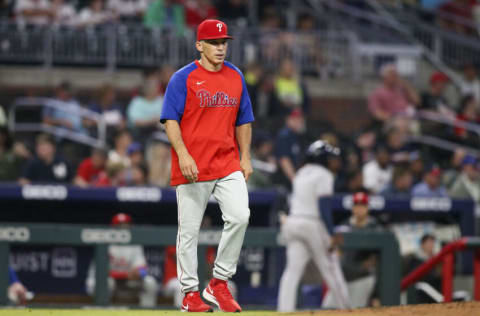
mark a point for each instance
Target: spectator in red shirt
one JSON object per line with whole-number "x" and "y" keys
{"x": 114, "y": 175}
{"x": 198, "y": 10}
{"x": 393, "y": 96}
{"x": 90, "y": 168}
{"x": 457, "y": 16}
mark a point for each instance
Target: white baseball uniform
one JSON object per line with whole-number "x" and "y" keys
{"x": 124, "y": 258}
{"x": 307, "y": 238}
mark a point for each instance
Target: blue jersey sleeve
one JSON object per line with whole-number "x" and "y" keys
{"x": 12, "y": 276}
{"x": 245, "y": 111}
{"x": 176, "y": 95}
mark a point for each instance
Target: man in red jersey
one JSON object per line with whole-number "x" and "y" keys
{"x": 207, "y": 114}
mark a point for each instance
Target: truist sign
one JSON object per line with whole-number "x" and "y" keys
{"x": 219, "y": 99}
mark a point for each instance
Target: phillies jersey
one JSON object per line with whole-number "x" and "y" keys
{"x": 208, "y": 106}
{"x": 124, "y": 258}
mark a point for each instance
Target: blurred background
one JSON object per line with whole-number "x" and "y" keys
{"x": 393, "y": 83}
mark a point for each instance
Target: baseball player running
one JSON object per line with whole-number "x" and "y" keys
{"x": 306, "y": 234}
{"x": 207, "y": 115}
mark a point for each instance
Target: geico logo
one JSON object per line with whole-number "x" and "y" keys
{"x": 106, "y": 236}
{"x": 139, "y": 194}
{"x": 48, "y": 192}
{"x": 375, "y": 202}
{"x": 15, "y": 234}
{"x": 347, "y": 202}
{"x": 430, "y": 204}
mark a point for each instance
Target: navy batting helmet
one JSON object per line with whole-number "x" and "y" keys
{"x": 319, "y": 152}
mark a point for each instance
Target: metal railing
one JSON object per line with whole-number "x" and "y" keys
{"x": 134, "y": 45}
{"x": 440, "y": 141}
{"x": 451, "y": 47}
{"x": 93, "y": 236}
{"x": 446, "y": 255}
{"x": 376, "y": 23}
{"x": 16, "y": 121}
{"x": 377, "y": 37}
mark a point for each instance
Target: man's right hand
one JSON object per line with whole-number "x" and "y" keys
{"x": 188, "y": 167}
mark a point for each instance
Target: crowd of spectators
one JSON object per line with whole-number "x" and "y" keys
{"x": 175, "y": 14}
{"x": 380, "y": 159}
{"x": 462, "y": 16}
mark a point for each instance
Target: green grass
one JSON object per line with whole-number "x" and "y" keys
{"x": 107, "y": 312}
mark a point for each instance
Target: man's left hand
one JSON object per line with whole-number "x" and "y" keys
{"x": 246, "y": 166}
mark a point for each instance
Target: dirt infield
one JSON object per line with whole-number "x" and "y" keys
{"x": 450, "y": 309}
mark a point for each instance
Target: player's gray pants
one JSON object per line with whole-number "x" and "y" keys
{"x": 360, "y": 291}
{"x": 232, "y": 196}
{"x": 307, "y": 238}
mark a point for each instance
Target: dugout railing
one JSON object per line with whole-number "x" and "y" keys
{"x": 446, "y": 257}
{"x": 100, "y": 237}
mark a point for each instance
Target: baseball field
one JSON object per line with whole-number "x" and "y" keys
{"x": 456, "y": 309}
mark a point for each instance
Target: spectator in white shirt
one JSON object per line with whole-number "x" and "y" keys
{"x": 119, "y": 154}
{"x": 36, "y": 12}
{"x": 470, "y": 84}
{"x": 128, "y": 9}
{"x": 63, "y": 12}
{"x": 377, "y": 173}
{"x": 94, "y": 14}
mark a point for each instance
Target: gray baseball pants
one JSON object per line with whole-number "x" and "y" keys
{"x": 307, "y": 238}
{"x": 192, "y": 198}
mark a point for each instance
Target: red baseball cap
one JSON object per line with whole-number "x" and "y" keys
{"x": 295, "y": 113}
{"x": 434, "y": 170}
{"x": 212, "y": 29}
{"x": 121, "y": 218}
{"x": 438, "y": 77}
{"x": 360, "y": 198}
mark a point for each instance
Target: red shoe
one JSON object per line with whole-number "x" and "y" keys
{"x": 192, "y": 302}
{"x": 217, "y": 293}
